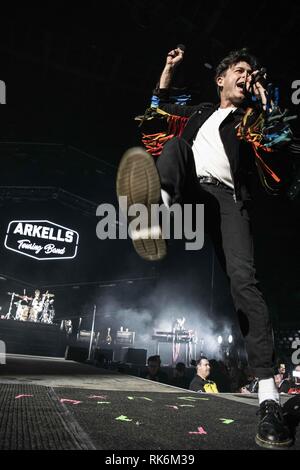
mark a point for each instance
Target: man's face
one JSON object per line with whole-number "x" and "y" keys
{"x": 232, "y": 82}
{"x": 278, "y": 379}
{"x": 203, "y": 369}
{"x": 179, "y": 372}
{"x": 153, "y": 367}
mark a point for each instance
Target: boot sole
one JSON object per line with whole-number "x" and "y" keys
{"x": 138, "y": 180}
{"x": 270, "y": 445}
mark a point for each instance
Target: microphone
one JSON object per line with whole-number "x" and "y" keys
{"x": 181, "y": 47}
{"x": 259, "y": 77}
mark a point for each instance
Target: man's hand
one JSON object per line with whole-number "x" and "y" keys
{"x": 258, "y": 90}
{"x": 174, "y": 57}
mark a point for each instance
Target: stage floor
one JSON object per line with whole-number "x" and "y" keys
{"x": 49, "y": 403}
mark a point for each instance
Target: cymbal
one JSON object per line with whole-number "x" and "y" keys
{"x": 23, "y": 297}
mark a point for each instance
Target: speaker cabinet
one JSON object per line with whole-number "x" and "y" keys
{"x": 104, "y": 356}
{"x": 136, "y": 356}
{"x": 76, "y": 354}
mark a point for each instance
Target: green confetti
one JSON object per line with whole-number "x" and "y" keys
{"x": 122, "y": 418}
{"x": 190, "y": 406}
{"x": 103, "y": 402}
{"x": 142, "y": 398}
{"x": 227, "y": 421}
{"x": 192, "y": 398}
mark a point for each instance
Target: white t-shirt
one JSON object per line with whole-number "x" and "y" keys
{"x": 209, "y": 153}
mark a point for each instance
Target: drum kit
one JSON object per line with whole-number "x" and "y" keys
{"x": 39, "y": 308}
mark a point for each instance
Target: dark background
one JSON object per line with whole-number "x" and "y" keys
{"x": 76, "y": 77}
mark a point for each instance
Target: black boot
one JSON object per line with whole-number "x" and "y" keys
{"x": 272, "y": 431}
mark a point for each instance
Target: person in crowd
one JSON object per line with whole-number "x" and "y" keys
{"x": 154, "y": 371}
{"x": 180, "y": 379}
{"x": 200, "y": 382}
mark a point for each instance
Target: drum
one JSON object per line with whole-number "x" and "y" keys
{"x": 45, "y": 316}
{"x": 22, "y": 312}
{"x": 51, "y": 315}
{"x": 33, "y": 314}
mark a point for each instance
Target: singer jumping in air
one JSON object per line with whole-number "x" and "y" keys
{"x": 208, "y": 156}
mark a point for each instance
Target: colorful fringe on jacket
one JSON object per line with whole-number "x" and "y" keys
{"x": 266, "y": 132}
{"x": 154, "y": 143}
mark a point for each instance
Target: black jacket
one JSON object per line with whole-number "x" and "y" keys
{"x": 240, "y": 154}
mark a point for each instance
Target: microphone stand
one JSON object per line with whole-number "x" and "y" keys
{"x": 92, "y": 335}
{"x": 7, "y": 316}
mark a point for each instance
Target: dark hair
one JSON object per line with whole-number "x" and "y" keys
{"x": 180, "y": 366}
{"x": 241, "y": 55}
{"x": 200, "y": 359}
{"x": 233, "y": 58}
{"x": 154, "y": 359}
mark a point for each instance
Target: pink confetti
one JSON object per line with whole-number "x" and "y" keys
{"x": 67, "y": 400}
{"x": 172, "y": 406}
{"x": 200, "y": 431}
{"x": 21, "y": 396}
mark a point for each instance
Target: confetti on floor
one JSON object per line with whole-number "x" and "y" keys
{"x": 102, "y": 397}
{"x": 22, "y": 396}
{"x": 142, "y": 398}
{"x": 72, "y": 402}
{"x": 123, "y": 418}
{"x": 200, "y": 431}
{"x": 192, "y": 398}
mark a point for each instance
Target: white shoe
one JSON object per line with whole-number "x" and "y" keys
{"x": 138, "y": 180}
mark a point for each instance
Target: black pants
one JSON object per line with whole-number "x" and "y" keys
{"x": 228, "y": 225}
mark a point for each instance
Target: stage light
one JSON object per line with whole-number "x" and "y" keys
{"x": 220, "y": 339}
{"x": 230, "y": 339}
